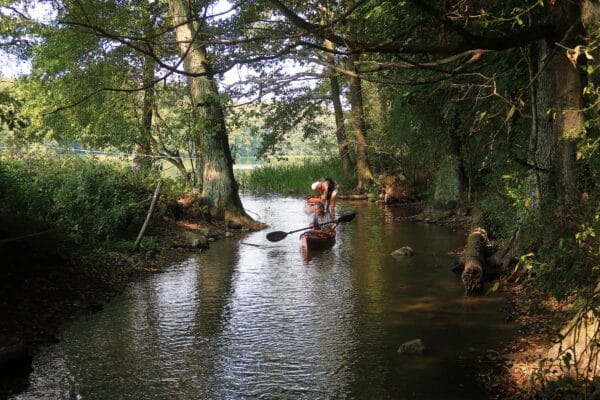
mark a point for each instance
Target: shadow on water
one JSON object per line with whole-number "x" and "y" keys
{"x": 264, "y": 321}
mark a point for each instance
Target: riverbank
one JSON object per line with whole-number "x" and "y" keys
{"x": 39, "y": 296}
{"x": 511, "y": 369}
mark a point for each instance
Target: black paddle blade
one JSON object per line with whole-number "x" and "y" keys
{"x": 347, "y": 217}
{"x": 276, "y": 236}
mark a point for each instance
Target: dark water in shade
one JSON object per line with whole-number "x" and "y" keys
{"x": 246, "y": 322}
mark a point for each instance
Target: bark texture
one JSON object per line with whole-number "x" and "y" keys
{"x": 363, "y": 171}
{"x": 475, "y": 261}
{"x": 542, "y": 141}
{"x": 219, "y": 188}
{"x": 340, "y": 128}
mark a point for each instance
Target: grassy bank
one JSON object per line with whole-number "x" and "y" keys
{"x": 290, "y": 177}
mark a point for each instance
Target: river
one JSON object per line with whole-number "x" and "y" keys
{"x": 251, "y": 319}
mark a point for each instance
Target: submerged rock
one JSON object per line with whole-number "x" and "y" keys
{"x": 405, "y": 251}
{"x": 415, "y": 346}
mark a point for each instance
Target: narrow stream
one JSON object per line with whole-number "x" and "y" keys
{"x": 252, "y": 319}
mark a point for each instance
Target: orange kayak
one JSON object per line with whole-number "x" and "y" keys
{"x": 316, "y": 239}
{"x": 311, "y": 204}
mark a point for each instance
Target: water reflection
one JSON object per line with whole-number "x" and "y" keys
{"x": 264, "y": 322}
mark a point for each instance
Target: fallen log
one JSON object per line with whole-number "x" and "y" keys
{"x": 353, "y": 196}
{"x": 475, "y": 261}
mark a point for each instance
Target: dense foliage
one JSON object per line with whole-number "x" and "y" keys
{"x": 84, "y": 202}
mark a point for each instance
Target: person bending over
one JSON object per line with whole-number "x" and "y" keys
{"x": 328, "y": 190}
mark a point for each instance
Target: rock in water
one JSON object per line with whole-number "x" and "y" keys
{"x": 405, "y": 251}
{"x": 415, "y": 346}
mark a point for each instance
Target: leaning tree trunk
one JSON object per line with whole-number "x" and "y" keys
{"x": 363, "y": 171}
{"x": 219, "y": 190}
{"x": 340, "y": 129}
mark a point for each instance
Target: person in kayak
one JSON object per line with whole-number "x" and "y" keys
{"x": 328, "y": 190}
{"x": 322, "y": 217}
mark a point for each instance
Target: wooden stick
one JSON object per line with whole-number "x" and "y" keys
{"x": 136, "y": 245}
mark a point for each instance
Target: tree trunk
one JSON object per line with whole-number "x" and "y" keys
{"x": 148, "y": 102}
{"x": 340, "y": 129}
{"x": 569, "y": 122}
{"x": 151, "y": 139}
{"x": 542, "y": 141}
{"x": 557, "y": 105}
{"x": 363, "y": 171}
{"x": 219, "y": 189}
{"x": 456, "y": 145}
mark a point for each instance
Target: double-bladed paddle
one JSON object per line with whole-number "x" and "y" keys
{"x": 279, "y": 235}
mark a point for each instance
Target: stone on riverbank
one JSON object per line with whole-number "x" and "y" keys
{"x": 196, "y": 241}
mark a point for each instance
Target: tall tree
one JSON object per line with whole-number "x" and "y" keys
{"x": 219, "y": 187}
{"x": 340, "y": 126}
{"x": 324, "y": 31}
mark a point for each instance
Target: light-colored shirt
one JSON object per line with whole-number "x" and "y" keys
{"x": 324, "y": 219}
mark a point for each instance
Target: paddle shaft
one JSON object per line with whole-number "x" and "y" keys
{"x": 314, "y": 226}
{"x": 279, "y": 235}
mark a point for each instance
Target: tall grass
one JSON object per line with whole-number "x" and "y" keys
{"x": 291, "y": 177}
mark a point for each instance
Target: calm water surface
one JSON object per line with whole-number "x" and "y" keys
{"x": 248, "y": 322}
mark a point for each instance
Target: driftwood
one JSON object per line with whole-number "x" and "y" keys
{"x": 353, "y": 196}
{"x": 136, "y": 245}
{"x": 475, "y": 260}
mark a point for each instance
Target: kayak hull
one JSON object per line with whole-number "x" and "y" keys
{"x": 315, "y": 239}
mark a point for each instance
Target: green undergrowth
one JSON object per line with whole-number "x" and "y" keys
{"x": 558, "y": 247}
{"x": 290, "y": 178}
{"x": 80, "y": 203}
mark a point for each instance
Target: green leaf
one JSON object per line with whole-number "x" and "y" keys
{"x": 495, "y": 287}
